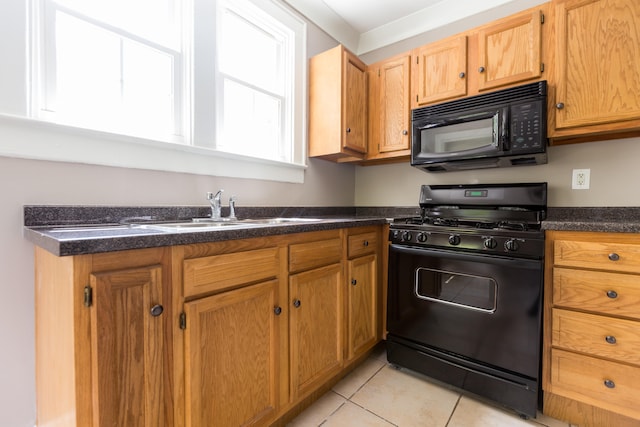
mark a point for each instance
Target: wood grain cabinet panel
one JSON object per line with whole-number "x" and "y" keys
{"x": 232, "y": 352}
{"x": 591, "y": 348}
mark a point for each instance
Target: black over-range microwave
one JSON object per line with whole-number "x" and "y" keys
{"x": 498, "y": 129}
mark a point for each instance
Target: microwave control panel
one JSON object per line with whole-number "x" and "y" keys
{"x": 526, "y": 126}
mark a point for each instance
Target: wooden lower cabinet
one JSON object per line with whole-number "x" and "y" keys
{"x": 242, "y": 332}
{"x": 102, "y": 348}
{"x": 316, "y": 324}
{"x": 231, "y": 357}
{"x": 591, "y": 367}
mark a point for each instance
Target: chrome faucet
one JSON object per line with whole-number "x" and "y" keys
{"x": 216, "y": 204}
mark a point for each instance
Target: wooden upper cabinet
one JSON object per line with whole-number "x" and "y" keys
{"x": 509, "y": 51}
{"x": 354, "y": 103}
{"x": 337, "y": 106}
{"x": 597, "y": 50}
{"x": 439, "y": 71}
{"x": 389, "y": 108}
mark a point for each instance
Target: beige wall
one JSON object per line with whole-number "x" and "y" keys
{"x": 614, "y": 165}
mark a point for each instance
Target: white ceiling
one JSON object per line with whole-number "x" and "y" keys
{"x": 366, "y": 25}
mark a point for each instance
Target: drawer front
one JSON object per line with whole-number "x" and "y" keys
{"x": 621, "y": 257}
{"x": 602, "y": 336}
{"x": 304, "y": 256}
{"x": 362, "y": 244}
{"x": 583, "y": 378}
{"x": 219, "y": 272}
{"x": 609, "y": 293}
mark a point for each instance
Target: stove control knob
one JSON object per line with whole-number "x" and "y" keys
{"x": 511, "y": 245}
{"x": 490, "y": 243}
{"x": 421, "y": 237}
{"x": 406, "y": 236}
{"x": 454, "y": 239}
{"x": 395, "y": 234}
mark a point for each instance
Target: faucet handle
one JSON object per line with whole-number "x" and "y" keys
{"x": 211, "y": 196}
{"x": 232, "y": 207}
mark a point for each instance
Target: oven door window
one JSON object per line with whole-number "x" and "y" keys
{"x": 460, "y": 290}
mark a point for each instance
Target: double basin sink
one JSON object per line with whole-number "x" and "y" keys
{"x": 208, "y": 224}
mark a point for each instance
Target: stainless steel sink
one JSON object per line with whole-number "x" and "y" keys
{"x": 207, "y": 224}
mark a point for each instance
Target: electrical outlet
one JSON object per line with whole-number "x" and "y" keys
{"x": 580, "y": 179}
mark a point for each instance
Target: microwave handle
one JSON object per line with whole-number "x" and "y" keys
{"x": 504, "y": 129}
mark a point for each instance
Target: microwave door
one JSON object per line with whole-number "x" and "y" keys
{"x": 482, "y": 136}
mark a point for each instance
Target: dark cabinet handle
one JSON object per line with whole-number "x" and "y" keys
{"x": 157, "y": 310}
{"x": 348, "y": 130}
{"x": 609, "y": 384}
{"x": 614, "y": 257}
{"x": 461, "y": 75}
{"x": 560, "y": 105}
{"x": 610, "y": 339}
{"x": 354, "y": 282}
{"x": 365, "y": 243}
{"x": 481, "y": 70}
{"x": 296, "y": 303}
{"x": 612, "y": 294}
{"x": 277, "y": 310}
{"x": 404, "y": 132}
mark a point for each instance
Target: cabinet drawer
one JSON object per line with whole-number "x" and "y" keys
{"x": 602, "y": 336}
{"x": 597, "y": 255}
{"x": 583, "y": 378}
{"x": 362, "y": 244}
{"x": 304, "y": 256}
{"x": 218, "y": 272}
{"x": 609, "y": 293}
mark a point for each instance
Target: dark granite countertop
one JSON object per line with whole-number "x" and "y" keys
{"x": 76, "y": 230}
{"x": 601, "y": 219}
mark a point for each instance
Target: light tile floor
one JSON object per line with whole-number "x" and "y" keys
{"x": 376, "y": 394}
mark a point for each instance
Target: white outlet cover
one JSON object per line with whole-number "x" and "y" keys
{"x": 580, "y": 179}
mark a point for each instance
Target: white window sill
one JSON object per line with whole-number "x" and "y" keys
{"x": 33, "y": 139}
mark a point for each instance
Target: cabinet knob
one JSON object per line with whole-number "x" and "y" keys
{"x": 461, "y": 75}
{"x": 277, "y": 310}
{"x": 354, "y": 282}
{"x": 610, "y": 339}
{"x": 348, "y": 130}
{"x": 157, "y": 310}
{"x": 612, "y": 294}
{"x": 560, "y": 105}
{"x": 614, "y": 257}
{"x": 404, "y": 132}
{"x": 296, "y": 303}
{"x": 609, "y": 384}
{"x": 481, "y": 70}
{"x": 365, "y": 243}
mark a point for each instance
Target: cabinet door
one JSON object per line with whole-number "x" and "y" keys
{"x": 440, "y": 70}
{"x": 354, "y": 104}
{"x": 598, "y": 62}
{"x": 231, "y": 353}
{"x": 128, "y": 354}
{"x": 509, "y": 51}
{"x": 361, "y": 305}
{"x": 394, "y": 100}
{"x": 316, "y": 327}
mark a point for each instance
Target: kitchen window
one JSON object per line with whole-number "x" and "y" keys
{"x": 221, "y": 84}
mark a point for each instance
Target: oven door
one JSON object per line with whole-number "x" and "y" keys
{"x": 477, "y": 307}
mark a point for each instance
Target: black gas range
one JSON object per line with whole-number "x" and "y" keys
{"x": 500, "y": 219}
{"x": 464, "y": 300}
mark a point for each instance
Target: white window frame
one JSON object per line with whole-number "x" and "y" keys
{"x": 38, "y": 139}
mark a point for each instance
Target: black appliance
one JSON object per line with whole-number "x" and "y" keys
{"x": 465, "y": 290}
{"x": 498, "y": 129}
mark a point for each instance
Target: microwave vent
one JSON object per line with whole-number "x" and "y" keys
{"x": 531, "y": 90}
